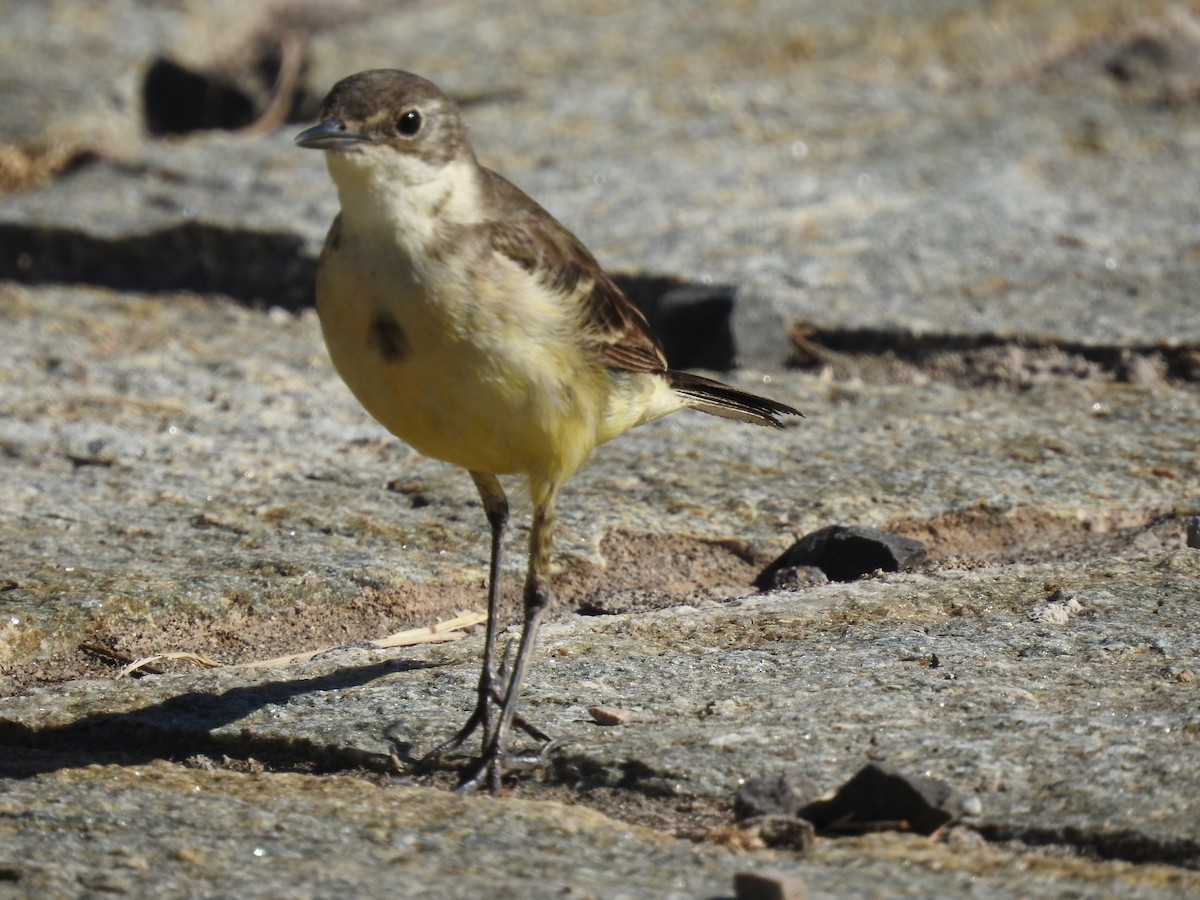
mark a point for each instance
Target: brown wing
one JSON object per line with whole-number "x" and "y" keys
{"x": 612, "y": 326}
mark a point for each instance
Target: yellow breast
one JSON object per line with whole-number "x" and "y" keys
{"x": 472, "y": 364}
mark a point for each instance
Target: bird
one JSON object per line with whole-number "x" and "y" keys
{"x": 478, "y": 330}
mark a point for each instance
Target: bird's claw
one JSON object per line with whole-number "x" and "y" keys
{"x": 494, "y": 766}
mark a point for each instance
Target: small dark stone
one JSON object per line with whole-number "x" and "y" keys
{"x": 846, "y": 553}
{"x": 1193, "y": 532}
{"x": 782, "y": 795}
{"x": 1139, "y": 58}
{"x": 881, "y": 798}
{"x": 177, "y": 100}
{"x": 768, "y": 884}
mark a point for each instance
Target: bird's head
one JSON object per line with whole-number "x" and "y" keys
{"x": 392, "y": 122}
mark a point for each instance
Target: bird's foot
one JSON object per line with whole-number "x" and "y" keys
{"x": 495, "y": 762}
{"x": 479, "y": 718}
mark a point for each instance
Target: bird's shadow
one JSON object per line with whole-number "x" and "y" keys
{"x": 183, "y": 726}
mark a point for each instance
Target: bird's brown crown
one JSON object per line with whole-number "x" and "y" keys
{"x": 405, "y": 111}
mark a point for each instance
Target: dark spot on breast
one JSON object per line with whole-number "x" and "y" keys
{"x": 388, "y": 338}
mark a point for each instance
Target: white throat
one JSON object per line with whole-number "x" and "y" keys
{"x": 412, "y": 199}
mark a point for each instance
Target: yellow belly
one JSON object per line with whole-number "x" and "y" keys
{"x": 469, "y": 375}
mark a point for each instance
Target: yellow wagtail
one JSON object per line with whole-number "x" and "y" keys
{"x": 481, "y": 332}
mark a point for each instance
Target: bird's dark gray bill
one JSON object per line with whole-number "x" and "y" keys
{"x": 329, "y": 135}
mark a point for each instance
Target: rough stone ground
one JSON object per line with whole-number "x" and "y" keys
{"x": 965, "y": 241}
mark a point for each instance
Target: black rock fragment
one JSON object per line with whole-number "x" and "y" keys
{"x": 881, "y": 798}
{"x": 768, "y": 884}
{"x": 844, "y": 553}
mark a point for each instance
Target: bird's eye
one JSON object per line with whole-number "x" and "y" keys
{"x": 409, "y": 123}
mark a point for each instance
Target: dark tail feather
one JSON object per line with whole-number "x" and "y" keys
{"x": 720, "y": 399}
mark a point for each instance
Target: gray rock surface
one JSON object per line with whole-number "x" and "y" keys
{"x": 183, "y": 470}
{"x": 1072, "y": 735}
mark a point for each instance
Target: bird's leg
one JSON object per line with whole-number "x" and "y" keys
{"x": 537, "y": 598}
{"x": 495, "y": 506}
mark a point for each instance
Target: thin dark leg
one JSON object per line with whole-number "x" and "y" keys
{"x": 495, "y": 506}
{"x": 537, "y": 598}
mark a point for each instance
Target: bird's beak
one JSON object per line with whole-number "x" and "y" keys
{"x": 330, "y": 135}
